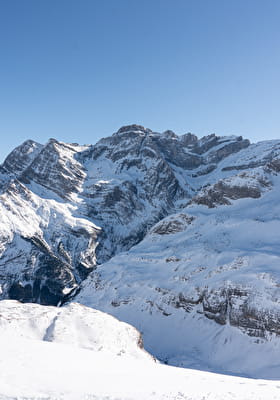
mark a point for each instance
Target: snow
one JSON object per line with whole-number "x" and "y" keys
{"x": 73, "y": 325}
{"x": 233, "y": 246}
{"x": 258, "y": 153}
{"x": 33, "y": 368}
{"x": 230, "y": 246}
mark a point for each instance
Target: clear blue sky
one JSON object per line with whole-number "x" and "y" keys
{"x": 77, "y": 70}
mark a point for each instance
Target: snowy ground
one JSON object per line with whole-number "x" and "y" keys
{"x": 56, "y": 354}
{"x": 229, "y": 246}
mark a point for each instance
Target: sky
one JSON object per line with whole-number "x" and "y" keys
{"x": 78, "y": 70}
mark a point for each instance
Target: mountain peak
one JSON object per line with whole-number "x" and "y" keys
{"x": 194, "y": 210}
{"x": 133, "y": 128}
{"x": 22, "y": 156}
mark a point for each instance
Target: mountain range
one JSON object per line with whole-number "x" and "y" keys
{"x": 176, "y": 235}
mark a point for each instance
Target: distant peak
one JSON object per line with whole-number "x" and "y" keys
{"x": 133, "y": 128}
{"x": 189, "y": 139}
{"x": 52, "y": 140}
{"x": 170, "y": 134}
{"x": 30, "y": 142}
{"x": 22, "y": 156}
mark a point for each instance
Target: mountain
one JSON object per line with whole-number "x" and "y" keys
{"x": 173, "y": 234}
{"x": 77, "y": 353}
{"x": 58, "y": 201}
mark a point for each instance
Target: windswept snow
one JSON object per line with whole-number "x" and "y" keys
{"x": 76, "y": 353}
{"x": 74, "y": 325}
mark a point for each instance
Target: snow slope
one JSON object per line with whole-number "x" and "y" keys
{"x": 65, "y": 207}
{"x": 202, "y": 285}
{"x": 75, "y": 325}
{"x": 76, "y": 353}
{"x": 189, "y": 229}
{"x": 59, "y": 201}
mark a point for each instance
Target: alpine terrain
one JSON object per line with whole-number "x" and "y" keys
{"x": 176, "y": 235}
{"x": 77, "y": 353}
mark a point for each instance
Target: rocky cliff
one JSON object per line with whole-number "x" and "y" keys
{"x": 164, "y": 231}
{"x": 58, "y": 201}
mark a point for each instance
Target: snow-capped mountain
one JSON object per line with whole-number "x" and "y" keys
{"x": 59, "y": 200}
{"x": 173, "y": 234}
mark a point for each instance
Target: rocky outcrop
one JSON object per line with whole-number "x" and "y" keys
{"x": 21, "y": 157}
{"x": 173, "y": 224}
{"x": 66, "y": 208}
{"x": 244, "y": 185}
{"x": 239, "y": 307}
{"x": 56, "y": 169}
{"x": 233, "y": 305}
{"x": 45, "y": 252}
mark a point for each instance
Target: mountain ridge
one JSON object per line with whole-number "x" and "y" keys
{"x": 149, "y": 227}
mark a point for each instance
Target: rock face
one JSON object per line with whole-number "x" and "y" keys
{"x": 243, "y": 185}
{"x": 169, "y": 227}
{"x": 45, "y": 251}
{"x": 21, "y": 157}
{"x": 208, "y": 278}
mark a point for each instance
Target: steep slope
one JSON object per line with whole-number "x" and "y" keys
{"x": 66, "y": 207}
{"x": 207, "y": 277}
{"x": 179, "y": 235}
{"x": 21, "y": 157}
{"x": 45, "y": 250}
{"x": 77, "y": 353}
{"x": 133, "y": 180}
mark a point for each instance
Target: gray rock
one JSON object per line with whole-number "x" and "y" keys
{"x": 125, "y": 184}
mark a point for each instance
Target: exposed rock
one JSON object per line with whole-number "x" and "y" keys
{"x": 133, "y": 128}
{"x": 237, "y": 307}
{"x": 56, "y": 169}
{"x": 173, "y": 224}
{"x": 274, "y": 165}
{"x": 239, "y": 187}
{"x": 228, "y": 149}
{"x": 21, "y": 157}
{"x": 65, "y": 208}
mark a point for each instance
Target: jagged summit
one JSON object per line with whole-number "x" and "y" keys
{"x": 123, "y": 185}
{"x": 149, "y": 226}
{"x": 187, "y": 138}
{"x": 133, "y": 128}
{"x": 22, "y": 156}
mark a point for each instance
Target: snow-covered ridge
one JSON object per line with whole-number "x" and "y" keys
{"x": 73, "y": 325}
{"x": 59, "y": 201}
{"x": 209, "y": 279}
{"x": 77, "y": 353}
{"x": 175, "y": 231}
